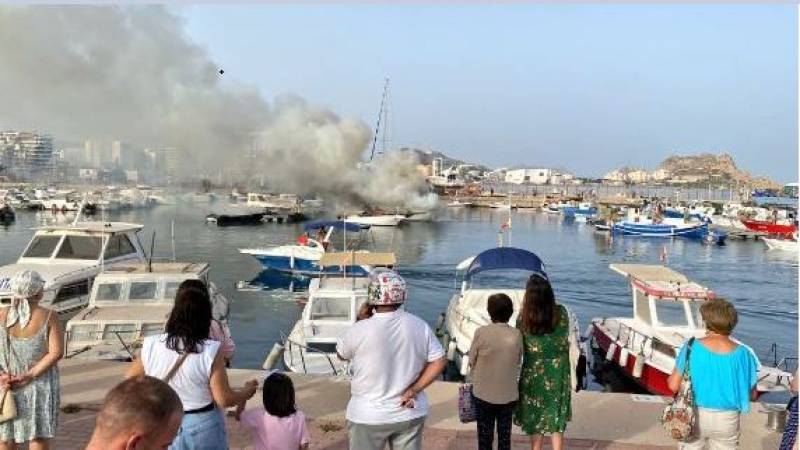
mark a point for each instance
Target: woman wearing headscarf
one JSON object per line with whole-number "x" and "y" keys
{"x": 31, "y": 343}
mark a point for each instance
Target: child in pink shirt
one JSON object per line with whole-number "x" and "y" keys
{"x": 279, "y": 425}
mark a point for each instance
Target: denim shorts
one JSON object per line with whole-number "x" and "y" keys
{"x": 203, "y": 431}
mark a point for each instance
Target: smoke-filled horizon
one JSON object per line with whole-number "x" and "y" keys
{"x": 132, "y": 73}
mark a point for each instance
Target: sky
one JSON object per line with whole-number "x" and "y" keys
{"x": 586, "y": 88}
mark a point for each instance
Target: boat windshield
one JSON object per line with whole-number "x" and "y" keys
{"x": 42, "y": 247}
{"x": 334, "y": 309}
{"x": 673, "y": 314}
{"x": 501, "y": 279}
{"x": 80, "y": 247}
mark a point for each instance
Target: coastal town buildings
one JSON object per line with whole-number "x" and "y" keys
{"x": 26, "y": 154}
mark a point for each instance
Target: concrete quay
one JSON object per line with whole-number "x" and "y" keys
{"x": 600, "y": 420}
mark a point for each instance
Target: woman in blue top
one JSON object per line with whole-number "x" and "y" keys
{"x": 723, "y": 375}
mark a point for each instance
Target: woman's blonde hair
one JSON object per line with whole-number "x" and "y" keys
{"x": 719, "y": 315}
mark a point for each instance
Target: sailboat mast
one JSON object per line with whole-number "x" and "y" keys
{"x": 378, "y": 123}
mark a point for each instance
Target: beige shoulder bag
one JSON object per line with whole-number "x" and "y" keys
{"x": 8, "y": 407}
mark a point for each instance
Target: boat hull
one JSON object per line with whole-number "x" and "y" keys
{"x": 769, "y": 227}
{"x": 692, "y": 231}
{"x": 303, "y": 266}
{"x": 781, "y": 244}
{"x": 653, "y": 379}
{"x": 377, "y": 221}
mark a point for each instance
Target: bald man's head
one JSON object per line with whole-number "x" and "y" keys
{"x": 141, "y": 413}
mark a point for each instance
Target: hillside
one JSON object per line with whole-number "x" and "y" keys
{"x": 709, "y": 167}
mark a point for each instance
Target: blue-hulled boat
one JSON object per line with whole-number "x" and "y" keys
{"x": 669, "y": 227}
{"x": 303, "y": 258}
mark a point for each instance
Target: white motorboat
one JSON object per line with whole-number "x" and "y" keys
{"x": 784, "y": 245}
{"x": 665, "y": 314}
{"x": 69, "y": 257}
{"x": 129, "y": 302}
{"x": 333, "y": 302}
{"x": 459, "y": 204}
{"x": 303, "y": 257}
{"x": 377, "y": 220}
{"x": 466, "y": 311}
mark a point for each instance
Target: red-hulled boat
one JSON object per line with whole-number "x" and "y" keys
{"x": 764, "y": 226}
{"x": 665, "y": 314}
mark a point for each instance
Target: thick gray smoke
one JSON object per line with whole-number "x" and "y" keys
{"x": 131, "y": 73}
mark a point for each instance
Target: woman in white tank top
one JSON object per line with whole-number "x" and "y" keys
{"x": 197, "y": 370}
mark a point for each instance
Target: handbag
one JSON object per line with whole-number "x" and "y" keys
{"x": 8, "y": 407}
{"x": 679, "y": 417}
{"x": 466, "y": 403}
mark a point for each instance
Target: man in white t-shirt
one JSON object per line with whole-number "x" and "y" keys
{"x": 394, "y": 356}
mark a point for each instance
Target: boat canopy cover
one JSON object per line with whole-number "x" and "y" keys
{"x": 358, "y": 259}
{"x": 662, "y": 282}
{"x": 336, "y": 224}
{"x": 505, "y": 258}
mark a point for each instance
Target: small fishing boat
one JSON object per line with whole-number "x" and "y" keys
{"x": 130, "y": 302}
{"x": 665, "y": 314}
{"x": 69, "y": 257}
{"x": 303, "y": 257}
{"x": 332, "y": 306}
{"x": 225, "y": 220}
{"x": 423, "y": 216}
{"x": 459, "y": 204}
{"x": 7, "y": 213}
{"x": 641, "y": 225}
{"x": 466, "y": 311}
{"x": 377, "y": 220}
{"x": 777, "y": 228}
{"x": 600, "y": 224}
{"x": 580, "y": 213}
{"x": 785, "y": 245}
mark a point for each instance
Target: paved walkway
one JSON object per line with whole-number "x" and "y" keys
{"x": 600, "y": 420}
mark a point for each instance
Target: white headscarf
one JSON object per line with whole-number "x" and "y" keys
{"x": 24, "y": 285}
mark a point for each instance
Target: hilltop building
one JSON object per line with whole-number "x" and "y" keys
{"x": 26, "y": 154}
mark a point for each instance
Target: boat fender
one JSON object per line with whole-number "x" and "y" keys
{"x": 612, "y": 347}
{"x": 638, "y": 366}
{"x": 464, "y": 365}
{"x": 451, "y": 351}
{"x": 588, "y": 333}
{"x": 623, "y": 356}
{"x": 273, "y": 357}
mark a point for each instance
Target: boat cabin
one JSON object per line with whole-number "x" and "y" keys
{"x": 665, "y": 302}
{"x": 332, "y": 307}
{"x": 69, "y": 257}
{"x": 130, "y": 302}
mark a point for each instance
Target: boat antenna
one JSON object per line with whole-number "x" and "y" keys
{"x": 378, "y": 122}
{"x": 150, "y": 256}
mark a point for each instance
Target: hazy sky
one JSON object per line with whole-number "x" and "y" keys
{"x": 583, "y": 87}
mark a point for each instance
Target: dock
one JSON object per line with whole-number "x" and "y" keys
{"x": 599, "y": 420}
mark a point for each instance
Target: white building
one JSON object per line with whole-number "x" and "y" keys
{"x": 26, "y": 153}
{"x": 660, "y": 175}
{"x": 637, "y": 176}
{"x": 88, "y": 174}
{"x": 615, "y": 176}
{"x": 528, "y": 176}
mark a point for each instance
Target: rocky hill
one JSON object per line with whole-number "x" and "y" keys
{"x": 716, "y": 168}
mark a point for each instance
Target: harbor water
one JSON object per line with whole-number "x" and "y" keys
{"x": 762, "y": 284}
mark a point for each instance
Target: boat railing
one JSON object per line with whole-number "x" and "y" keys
{"x": 289, "y": 343}
{"x": 782, "y": 363}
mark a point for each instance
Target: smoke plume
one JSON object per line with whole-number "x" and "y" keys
{"x": 132, "y": 73}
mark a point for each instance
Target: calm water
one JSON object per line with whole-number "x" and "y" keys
{"x": 763, "y": 285}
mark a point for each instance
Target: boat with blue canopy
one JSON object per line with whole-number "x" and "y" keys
{"x": 467, "y": 312}
{"x": 302, "y": 258}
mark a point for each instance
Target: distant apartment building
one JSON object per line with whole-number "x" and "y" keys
{"x": 627, "y": 175}
{"x": 637, "y": 176}
{"x": 528, "y": 176}
{"x": 26, "y": 154}
{"x": 660, "y": 175}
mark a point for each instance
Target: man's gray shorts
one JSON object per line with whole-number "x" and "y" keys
{"x": 399, "y": 435}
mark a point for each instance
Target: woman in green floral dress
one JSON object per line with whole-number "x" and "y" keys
{"x": 544, "y": 385}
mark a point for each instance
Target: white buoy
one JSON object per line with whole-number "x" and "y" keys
{"x": 464, "y": 365}
{"x": 451, "y": 351}
{"x": 612, "y": 347}
{"x": 273, "y": 357}
{"x": 638, "y": 366}
{"x": 623, "y": 356}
